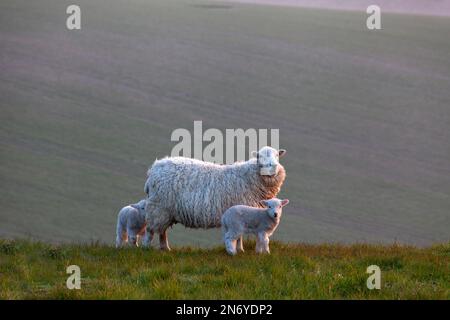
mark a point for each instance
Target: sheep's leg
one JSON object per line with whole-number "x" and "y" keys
{"x": 138, "y": 240}
{"x": 240, "y": 245}
{"x": 164, "y": 241}
{"x": 140, "y": 234}
{"x": 159, "y": 220}
{"x": 150, "y": 223}
{"x": 148, "y": 237}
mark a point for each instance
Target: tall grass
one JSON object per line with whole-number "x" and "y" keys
{"x": 293, "y": 271}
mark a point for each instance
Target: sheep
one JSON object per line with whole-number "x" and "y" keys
{"x": 262, "y": 222}
{"x": 196, "y": 193}
{"x": 130, "y": 224}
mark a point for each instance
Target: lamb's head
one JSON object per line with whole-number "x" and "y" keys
{"x": 268, "y": 160}
{"x": 140, "y": 206}
{"x": 275, "y": 207}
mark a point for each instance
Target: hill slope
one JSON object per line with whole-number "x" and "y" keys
{"x": 418, "y": 7}
{"x": 34, "y": 270}
{"x": 364, "y": 115}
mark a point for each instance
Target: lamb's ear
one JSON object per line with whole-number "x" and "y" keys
{"x": 284, "y": 202}
{"x": 264, "y": 203}
{"x": 281, "y": 152}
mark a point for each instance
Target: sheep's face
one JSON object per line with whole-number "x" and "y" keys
{"x": 268, "y": 160}
{"x": 275, "y": 207}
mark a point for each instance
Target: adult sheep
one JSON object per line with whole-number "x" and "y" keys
{"x": 196, "y": 193}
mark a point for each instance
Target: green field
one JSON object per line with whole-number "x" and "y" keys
{"x": 364, "y": 115}
{"x": 38, "y": 271}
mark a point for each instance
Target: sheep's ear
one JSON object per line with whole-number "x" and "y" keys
{"x": 264, "y": 203}
{"x": 284, "y": 202}
{"x": 281, "y": 152}
{"x": 254, "y": 154}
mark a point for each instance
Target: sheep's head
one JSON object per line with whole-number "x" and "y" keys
{"x": 268, "y": 160}
{"x": 275, "y": 207}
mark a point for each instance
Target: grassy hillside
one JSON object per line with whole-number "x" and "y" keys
{"x": 35, "y": 270}
{"x": 364, "y": 115}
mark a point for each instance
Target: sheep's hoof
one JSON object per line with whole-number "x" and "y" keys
{"x": 165, "y": 249}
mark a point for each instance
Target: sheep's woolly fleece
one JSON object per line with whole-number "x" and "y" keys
{"x": 197, "y": 193}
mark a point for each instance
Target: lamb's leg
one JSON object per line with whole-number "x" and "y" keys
{"x": 120, "y": 235}
{"x": 230, "y": 242}
{"x": 132, "y": 237}
{"x": 266, "y": 244}
{"x": 164, "y": 241}
{"x": 119, "y": 240}
{"x": 260, "y": 242}
{"x": 240, "y": 245}
{"x": 258, "y": 246}
{"x": 230, "y": 246}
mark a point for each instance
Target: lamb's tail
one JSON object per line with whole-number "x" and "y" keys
{"x": 120, "y": 232}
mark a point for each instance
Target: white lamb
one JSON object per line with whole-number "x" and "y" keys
{"x": 131, "y": 224}
{"x": 262, "y": 222}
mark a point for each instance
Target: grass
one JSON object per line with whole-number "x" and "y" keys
{"x": 33, "y": 270}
